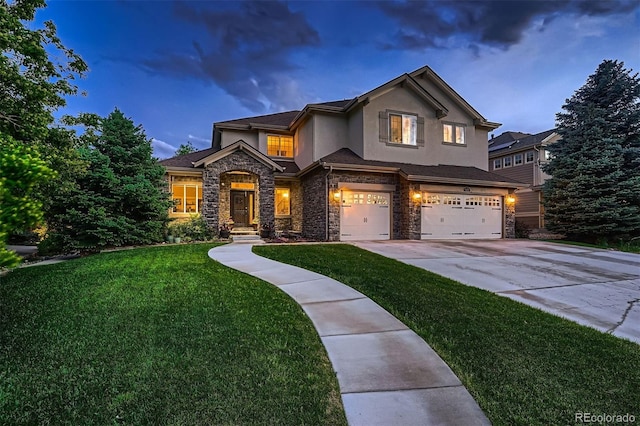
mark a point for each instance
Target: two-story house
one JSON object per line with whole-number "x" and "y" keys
{"x": 406, "y": 160}
{"x": 520, "y": 156}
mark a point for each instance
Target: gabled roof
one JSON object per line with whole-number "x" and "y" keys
{"x": 240, "y": 145}
{"x": 523, "y": 142}
{"x": 347, "y": 159}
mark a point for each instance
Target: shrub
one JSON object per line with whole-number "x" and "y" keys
{"x": 193, "y": 229}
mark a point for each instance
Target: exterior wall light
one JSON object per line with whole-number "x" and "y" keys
{"x": 417, "y": 196}
{"x": 511, "y": 199}
{"x": 336, "y": 195}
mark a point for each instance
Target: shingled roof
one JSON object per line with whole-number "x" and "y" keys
{"x": 277, "y": 119}
{"x": 524, "y": 142}
{"x": 345, "y": 156}
{"x": 187, "y": 160}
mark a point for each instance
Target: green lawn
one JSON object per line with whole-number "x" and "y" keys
{"x": 157, "y": 336}
{"x": 523, "y": 366}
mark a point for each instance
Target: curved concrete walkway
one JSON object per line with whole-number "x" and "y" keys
{"x": 387, "y": 374}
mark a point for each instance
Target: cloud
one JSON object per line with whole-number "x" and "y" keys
{"x": 245, "y": 49}
{"x": 162, "y": 149}
{"x": 435, "y": 23}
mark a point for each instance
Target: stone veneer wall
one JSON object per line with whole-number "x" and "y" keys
{"x": 237, "y": 161}
{"x": 370, "y": 178}
{"x": 314, "y": 208}
{"x": 411, "y": 210}
{"x": 509, "y": 219}
{"x": 294, "y": 221}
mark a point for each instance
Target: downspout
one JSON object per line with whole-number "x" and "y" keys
{"x": 536, "y": 181}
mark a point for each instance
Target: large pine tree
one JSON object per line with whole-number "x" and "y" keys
{"x": 594, "y": 192}
{"x": 119, "y": 200}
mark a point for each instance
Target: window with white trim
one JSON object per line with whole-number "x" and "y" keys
{"x": 492, "y": 201}
{"x": 451, "y": 200}
{"x": 497, "y": 163}
{"x": 528, "y": 157}
{"x": 403, "y": 128}
{"x": 186, "y": 195}
{"x": 453, "y": 133}
{"x": 506, "y": 161}
{"x": 280, "y": 146}
{"x": 430, "y": 199}
{"x": 473, "y": 201}
{"x": 517, "y": 159}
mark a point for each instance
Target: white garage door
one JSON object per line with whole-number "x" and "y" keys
{"x": 365, "y": 216}
{"x": 448, "y": 216}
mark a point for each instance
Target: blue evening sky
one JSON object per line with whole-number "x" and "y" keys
{"x": 175, "y": 67}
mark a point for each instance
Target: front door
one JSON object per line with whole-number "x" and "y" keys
{"x": 240, "y": 208}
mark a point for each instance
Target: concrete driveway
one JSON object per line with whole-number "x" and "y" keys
{"x": 598, "y": 288}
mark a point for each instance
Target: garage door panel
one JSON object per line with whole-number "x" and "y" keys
{"x": 451, "y": 216}
{"x": 365, "y": 216}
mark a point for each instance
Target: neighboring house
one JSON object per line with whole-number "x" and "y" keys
{"x": 407, "y": 160}
{"x": 520, "y": 156}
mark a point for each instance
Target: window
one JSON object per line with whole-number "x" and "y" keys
{"x": 517, "y": 159}
{"x": 283, "y": 202}
{"x": 492, "y": 201}
{"x": 451, "y": 200}
{"x": 377, "y": 199}
{"x": 430, "y": 199}
{"x": 507, "y": 161}
{"x": 497, "y": 163}
{"x": 453, "y": 133}
{"x": 187, "y": 197}
{"x": 402, "y": 128}
{"x": 473, "y": 201}
{"x": 528, "y": 157}
{"x": 352, "y": 198}
{"x": 280, "y": 146}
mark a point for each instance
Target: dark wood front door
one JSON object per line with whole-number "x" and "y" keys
{"x": 240, "y": 208}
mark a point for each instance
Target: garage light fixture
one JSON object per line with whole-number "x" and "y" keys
{"x": 417, "y": 195}
{"x": 336, "y": 195}
{"x": 511, "y": 199}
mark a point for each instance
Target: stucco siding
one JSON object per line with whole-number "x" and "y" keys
{"x": 401, "y": 99}
{"x": 330, "y": 133}
{"x": 303, "y": 144}
{"x": 356, "y": 132}
{"x": 231, "y": 136}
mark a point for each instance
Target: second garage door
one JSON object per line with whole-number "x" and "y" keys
{"x": 365, "y": 216}
{"x": 453, "y": 216}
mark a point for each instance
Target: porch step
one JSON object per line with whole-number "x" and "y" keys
{"x": 243, "y": 231}
{"x": 245, "y": 238}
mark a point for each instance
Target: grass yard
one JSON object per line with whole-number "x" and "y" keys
{"x": 523, "y": 366}
{"x": 158, "y": 336}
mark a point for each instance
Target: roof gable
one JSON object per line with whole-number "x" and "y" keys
{"x": 240, "y": 145}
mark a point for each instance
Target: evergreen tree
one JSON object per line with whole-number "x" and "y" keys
{"x": 120, "y": 199}
{"x": 594, "y": 192}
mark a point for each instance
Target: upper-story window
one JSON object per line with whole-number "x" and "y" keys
{"x": 453, "y": 133}
{"x": 497, "y": 163}
{"x": 517, "y": 159}
{"x": 506, "y": 161}
{"x": 528, "y": 157}
{"x": 402, "y": 128}
{"x": 280, "y": 146}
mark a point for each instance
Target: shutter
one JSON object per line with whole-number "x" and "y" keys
{"x": 420, "y": 131}
{"x": 384, "y": 126}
